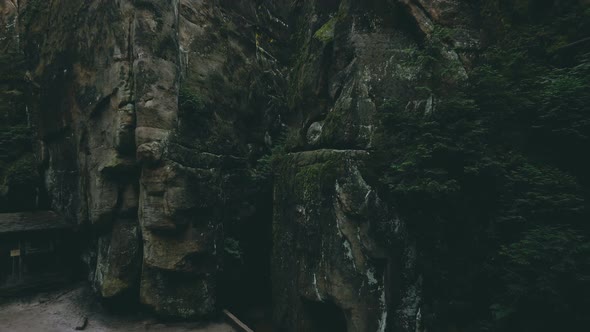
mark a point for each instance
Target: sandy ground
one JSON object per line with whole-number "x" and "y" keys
{"x": 63, "y": 310}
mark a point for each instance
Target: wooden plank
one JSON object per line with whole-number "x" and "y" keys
{"x": 238, "y": 323}
{"x": 20, "y": 261}
{"x": 31, "y": 221}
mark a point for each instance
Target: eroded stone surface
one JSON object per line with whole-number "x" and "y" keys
{"x": 150, "y": 129}
{"x": 325, "y": 252}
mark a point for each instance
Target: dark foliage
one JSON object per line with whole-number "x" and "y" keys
{"x": 493, "y": 180}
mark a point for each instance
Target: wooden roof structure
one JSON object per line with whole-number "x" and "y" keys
{"x": 31, "y": 221}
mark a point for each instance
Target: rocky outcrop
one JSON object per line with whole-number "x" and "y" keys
{"x": 142, "y": 133}
{"x": 325, "y": 252}
{"x": 153, "y": 118}
{"x": 108, "y": 105}
{"x": 331, "y": 258}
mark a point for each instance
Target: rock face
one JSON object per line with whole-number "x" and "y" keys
{"x": 152, "y": 118}
{"x": 330, "y": 258}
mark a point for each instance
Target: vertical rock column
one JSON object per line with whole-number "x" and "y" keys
{"x": 175, "y": 280}
{"x": 105, "y": 130}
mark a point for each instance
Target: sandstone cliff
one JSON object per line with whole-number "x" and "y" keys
{"x": 152, "y": 116}
{"x": 166, "y": 129}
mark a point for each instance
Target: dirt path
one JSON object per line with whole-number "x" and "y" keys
{"x": 61, "y": 311}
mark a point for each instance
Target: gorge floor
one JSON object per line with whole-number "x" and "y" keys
{"x": 62, "y": 310}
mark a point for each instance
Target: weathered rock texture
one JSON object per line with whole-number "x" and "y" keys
{"x": 151, "y": 116}
{"x": 351, "y": 58}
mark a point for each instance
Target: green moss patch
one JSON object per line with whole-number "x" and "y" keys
{"x": 326, "y": 32}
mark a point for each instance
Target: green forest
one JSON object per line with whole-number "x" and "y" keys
{"x": 495, "y": 180}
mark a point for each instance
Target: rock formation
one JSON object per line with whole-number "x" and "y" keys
{"x": 153, "y": 122}
{"x": 152, "y": 115}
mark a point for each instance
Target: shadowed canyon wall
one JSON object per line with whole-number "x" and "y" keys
{"x": 152, "y": 115}
{"x": 166, "y": 129}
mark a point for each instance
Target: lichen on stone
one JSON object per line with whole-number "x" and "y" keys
{"x": 326, "y": 32}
